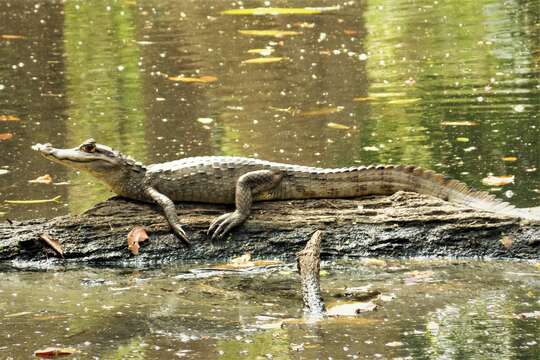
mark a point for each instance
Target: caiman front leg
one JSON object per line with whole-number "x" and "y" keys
{"x": 248, "y": 185}
{"x": 170, "y": 213}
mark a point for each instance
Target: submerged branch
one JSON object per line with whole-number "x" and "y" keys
{"x": 309, "y": 261}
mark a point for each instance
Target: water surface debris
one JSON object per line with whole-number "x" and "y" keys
{"x": 45, "y": 179}
{"x": 459, "y": 123}
{"x": 54, "y": 352}
{"x": 263, "y": 60}
{"x": 9, "y": 118}
{"x": 259, "y": 11}
{"x": 498, "y": 180}
{"x": 199, "y": 80}
{"x": 272, "y": 33}
{"x": 55, "y": 199}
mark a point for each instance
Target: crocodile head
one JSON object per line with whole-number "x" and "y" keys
{"x": 99, "y": 160}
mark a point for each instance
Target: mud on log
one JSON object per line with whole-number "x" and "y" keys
{"x": 404, "y": 224}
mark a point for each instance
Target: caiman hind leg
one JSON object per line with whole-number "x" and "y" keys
{"x": 170, "y": 213}
{"x": 248, "y": 185}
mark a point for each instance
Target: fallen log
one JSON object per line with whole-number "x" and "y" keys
{"x": 404, "y": 224}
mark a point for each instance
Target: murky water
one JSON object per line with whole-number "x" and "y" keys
{"x": 428, "y": 310}
{"x": 449, "y": 85}
{"x": 446, "y": 85}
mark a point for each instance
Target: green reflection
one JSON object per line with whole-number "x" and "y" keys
{"x": 104, "y": 85}
{"x": 260, "y": 346}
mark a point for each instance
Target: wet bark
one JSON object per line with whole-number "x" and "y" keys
{"x": 404, "y": 224}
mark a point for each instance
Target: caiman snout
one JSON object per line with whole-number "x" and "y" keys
{"x": 45, "y": 149}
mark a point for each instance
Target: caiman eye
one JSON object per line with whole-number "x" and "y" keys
{"x": 89, "y": 148}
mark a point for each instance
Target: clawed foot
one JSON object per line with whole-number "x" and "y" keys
{"x": 222, "y": 225}
{"x": 181, "y": 234}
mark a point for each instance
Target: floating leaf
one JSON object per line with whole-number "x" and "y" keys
{"x": 136, "y": 236}
{"x": 459, "y": 123}
{"x": 55, "y": 199}
{"x": 462, "y": 139}
{"x": 334, "y": 125}
{"x": 262, "y": 52}
{"x": 53, "y": 352}
{"x": 404, "y": 101}
{"x": 22, "y": 313}
{"x": 205, "y": 121}
{"x": 387, "y": 94}
{"x": 201, "y": 79}
{"x": 365, "y": 98}
{"x": 45, "y": 179}
{"x": 5, "y": 136}
{"x": 498, "y": 180}
{"x": 279, "y": 11}
{"x": 370, "y": 148}
{"x": 9, "y": 118}
{"x": 244, "y": 262}
{"x": 52, "y": 243}
{"x": 509, "y": 158}
{"x": 394, "y": 344}
{"x": 351, "y": 309}
{"x": 322, "y": 111}
{"x": 263, "y": 60}
{"x": 528, "y": 315}
{"x": 11, "y": 37}
{"x": 273, "y": 33}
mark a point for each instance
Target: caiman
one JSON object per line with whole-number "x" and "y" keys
{"x": 240, "y": 181}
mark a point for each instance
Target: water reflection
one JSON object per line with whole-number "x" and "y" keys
{"x": 437, "y": 309}
{"x": 368, "y": 82}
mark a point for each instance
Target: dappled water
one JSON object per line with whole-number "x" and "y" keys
{"x": 449, "y": 85}
{"x": 428, "y": 310}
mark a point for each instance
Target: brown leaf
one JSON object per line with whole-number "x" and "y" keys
{"x": 506, "y": 241}
{"x": 351, "y": 309}
{"x": 459, "y": 123}
{"x": 45, "y": 179}
{"x": 53, "y": 352}
{"x": 136, "y": 236}
{"x": 244, "y": 261}
{"x": 11, "y": 37}
{"x": 337, "y": 126}
{"x": 201, "y": 79}
{"x": 5, "y": 136}
{"x": 52, "y": 243}
{"x": 322, "y": 111}
{"x": 263, "y": 60}
{"x": 498, "y": 180}
{"x": 271, "y": 33}
{"x": 9, "y": 118}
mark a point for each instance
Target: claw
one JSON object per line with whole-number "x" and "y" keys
{"x": 181, "y": 234}
{"x": 224, "y": 224}
{"x": 214, "y": 224}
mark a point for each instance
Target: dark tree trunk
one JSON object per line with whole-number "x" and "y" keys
{"x": 403, "y": 224}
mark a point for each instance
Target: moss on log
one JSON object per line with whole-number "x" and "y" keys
{"x": 404, "y": 224}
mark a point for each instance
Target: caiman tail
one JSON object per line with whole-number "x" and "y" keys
{"x": 388, "y": 179}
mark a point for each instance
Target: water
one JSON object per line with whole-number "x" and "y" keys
{"x": 391, "y": 74}
{"x": 449, "y": 85}
{"x": 431, "y": 310}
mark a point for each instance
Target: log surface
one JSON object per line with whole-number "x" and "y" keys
{"x": 404, "y": 224}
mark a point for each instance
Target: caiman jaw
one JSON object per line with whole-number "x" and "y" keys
{"x": 62, "y": 155}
